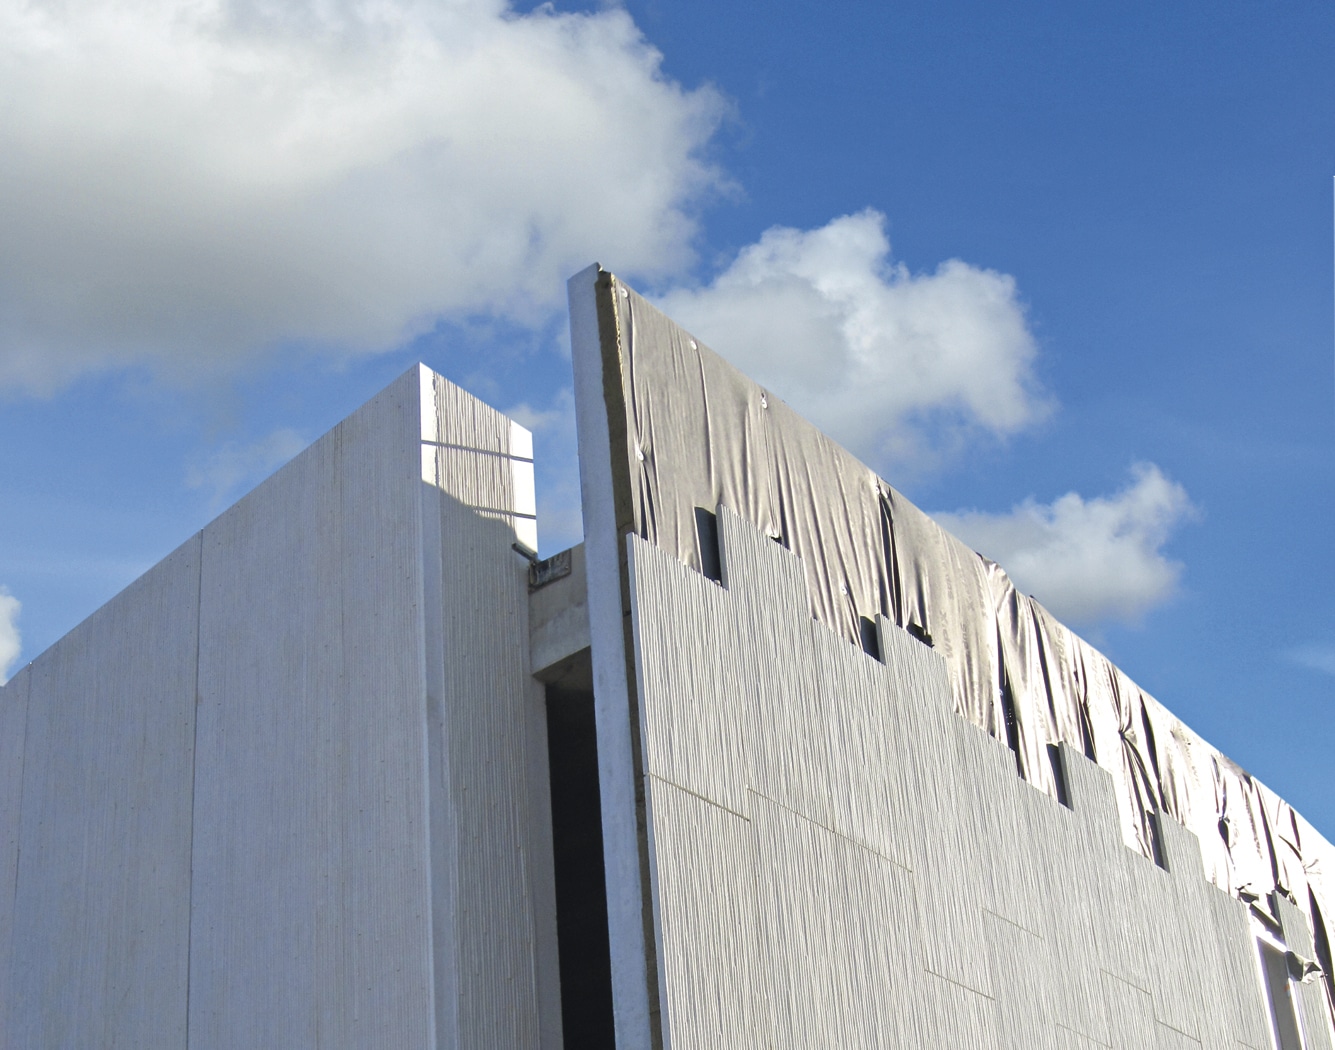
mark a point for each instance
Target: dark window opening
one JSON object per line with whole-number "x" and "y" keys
{"x": 870, "y": 638}
{"x": 1151, "y": 747}
{"x": 1059, "y": 775}
{"x": 706, "y": 531}
{"x": 1156, "y": 839}
{"x": 581, "y": 890}
{"x": 919, "y": 632}
{"x": 1283, "y": 1018}
{"x": 1012, "y": 724}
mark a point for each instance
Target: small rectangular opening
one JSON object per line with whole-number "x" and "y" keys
{"x": 1059, "y": 775}
{"x": 581, "y": 889}
{"x": 919, "y": 632}
{"x": 706, "y": 532}
{"x": 1012, "y": 725}
{"x": 870, "y": 638}
{"x": 1156, "y": 840}
{"x": 1283, "y": 1017}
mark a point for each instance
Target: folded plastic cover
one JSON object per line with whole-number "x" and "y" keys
{"x": 698, "y": 434}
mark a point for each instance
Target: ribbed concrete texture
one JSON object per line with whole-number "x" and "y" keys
{"x": 839, "y": 860}
{"x": 289, "y": 789}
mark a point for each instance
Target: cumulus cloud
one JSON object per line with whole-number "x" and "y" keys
{"x": 234, "y": 464}
{"x": 10, "y": 642}
{"x": 1088, "y": 561}
{"x": 891, "y": 363}
{"x": 187, "y": 183}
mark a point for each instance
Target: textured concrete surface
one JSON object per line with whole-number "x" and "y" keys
{"x": 101, "y": 908}
{"x": 839, "y": 860}
{"x": 558, "y": 616}
{"x": 289, "y": 789}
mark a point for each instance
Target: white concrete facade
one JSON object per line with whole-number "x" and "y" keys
{"x": 289, "y": 789}
{"x": 293, "y": 789}
{"x": 840, "y": 860}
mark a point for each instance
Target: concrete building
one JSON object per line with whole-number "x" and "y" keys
{"x": 769, "y": 761}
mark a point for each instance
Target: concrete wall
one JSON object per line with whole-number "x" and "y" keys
{"x": 839, "y": 860}
{"x": 289, "y": 788}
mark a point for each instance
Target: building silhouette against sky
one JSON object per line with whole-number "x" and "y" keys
{"x": 770, "y": 760}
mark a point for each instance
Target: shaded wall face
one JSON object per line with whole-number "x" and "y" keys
{"x": 839, "y": 859}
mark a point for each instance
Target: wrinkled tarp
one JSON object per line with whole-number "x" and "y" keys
{"x": 700, "y": 434}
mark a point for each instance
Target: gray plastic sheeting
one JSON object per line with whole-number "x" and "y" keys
{"x": 699, "y": 434}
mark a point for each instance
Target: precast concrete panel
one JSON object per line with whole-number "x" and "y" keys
{"x": 912, "y": 890}
{"x": 101, "y": 909}
{"x": 13, "y": 731}
{"x": 289, "y": 789}
{"x": 372, "y": 856}
{"x": 703, "y": 863}
{"x": 1130, "y": 1015}
{"x": 311, "y": 903}
{"x": 837, "y": 924}
{"x": 774, "y": 669}
{"x": 1239, "y": 1000}
{"x": 495, "y": 910}
{"x": 693, "y": 737}
{"x": 1309, "y": 995}
{"x": 864, "y": 733}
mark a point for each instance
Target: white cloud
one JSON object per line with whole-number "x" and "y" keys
{"x": 894, "y": 365}
{"x": 187, "y": 183}
{"x": 1088, "y": 561}
{"x": 232, "y": 465}
{"x": 556, "y": 465}
{"x": 1313, "y": 657}
{"x": 10, "y": 642}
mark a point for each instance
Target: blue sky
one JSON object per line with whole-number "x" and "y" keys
{"x": 1061, "y": 272}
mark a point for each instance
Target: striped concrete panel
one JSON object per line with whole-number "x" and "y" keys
{"x": 1069, "y": 1040}
{"x": 1224, "y": 987}
{"x": 836, "y": 938}
{"x": 1023, "y": 974}
{"x": 1314, "y": 1015}
{"x": 1119, "y": 929}
{"x": 1013, "y": 880}
{"x": 1079, "y": 839}
{"x": 1064, "y": 877}
{"x": 948, "y": 834}
{"x": 1122, "y": 939}
{"x": 708, "y": 936}
{"x": 920, "y": 675}
{"x": 778, "y": 680}
{"x": 903, "y": 857}
{"x": 790, "y": 747}
{"x": 870, "y": 804}
{"x": 1179, "y": 933}
{"x": 1130, "y": 1015}
{"x": 1238, "y": 996}
{"x": 1309, "y": 995}
{"x": 703, "y": 675}
{"x": 950, "y": 1014}
{"x": 311, "y": 861}
{"x": 13, "y": 732}
{"x": 494, "y": 906}
{"x": 101, "y": 906}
